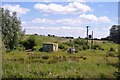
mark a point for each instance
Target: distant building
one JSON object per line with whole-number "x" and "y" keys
{"x": 71, "y": 50}
{"x": 48, "y": 47}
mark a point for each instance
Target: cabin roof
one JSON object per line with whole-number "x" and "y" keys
{"x": 50, "y": 43}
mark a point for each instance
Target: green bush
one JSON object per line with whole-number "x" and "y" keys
{"x": 102, "y": 76}
{"x": 97, "y": 47}
{"x": 21, "y": 48}
{"x": 112, "y": 49}
{"x": 76, "y": 51}
{"x": 36, "y": 48}
{"x": 80, "y": 42}
{"x": 85, "y": 47}
{"x": 45, "y": 57}
{"x": 41, "y": 49}
{"x": 61, "y": 46}
{"x": 29, "y": 43}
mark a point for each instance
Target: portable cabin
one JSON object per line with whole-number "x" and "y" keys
{"x": 48, "y": 47}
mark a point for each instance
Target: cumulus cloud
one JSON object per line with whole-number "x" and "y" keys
{"x": 104, "y": 19}
{"x": 84, "y": 18}
{"x": 89, "y": 17}
{"x": 74, "y": 7}
{"x": 65, "y": 21}
{"x": 16, "y": 8}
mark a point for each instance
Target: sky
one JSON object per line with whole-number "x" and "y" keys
{"x": 65, "y": 18}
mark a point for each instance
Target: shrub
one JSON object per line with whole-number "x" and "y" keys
{"x": 36, "y": 48}
{"x": 61, "y": 46}
{"x": 112, "y": 49}
{"x": 102, "y": 76}
{"x": 29, "y": 43}
{"x": 45, "y": 57}
{"x": 21, "y": 48}
{"x": 76, "y": 51}
{"x": 111, "y": 54}
{"x": 41, "y": 49}
{"x": 79, "y": 41}
{"x": 85, "y": 47}
{"x": 102, "y": 49}
{"x": 104, "y": 42}
{"x": 97, "y": 47}
{"x": 84, "y": 58}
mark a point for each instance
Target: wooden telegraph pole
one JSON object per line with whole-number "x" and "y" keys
{"x": 92, "y": 40}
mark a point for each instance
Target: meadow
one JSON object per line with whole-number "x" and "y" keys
{"x": 89, "y": 63}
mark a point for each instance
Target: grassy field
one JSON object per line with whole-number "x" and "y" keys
{"x": 42, "y": 39}
{"x": 84, "y": 64}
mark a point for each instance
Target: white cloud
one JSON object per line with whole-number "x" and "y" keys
{"x": 39, "y": 20}
{"x": 76, "y": 0}
{"x": 94, "y": 0}
{"x": 65, "y": 21}
{"x": 66, "y": 28}
{"x": 104, "y": 19}
{"x": 74, "y": 7}
{"x": 91, "y": 17}
{"x": 55, "y": 28}
{"x": 59, "y": 31}
{"x": 69, "y": 21}
{"x": 23, "y": 22}
{"x": 88, "y": 17}
{"x": 16, "y": 8}
{"x": 82, "y": 19}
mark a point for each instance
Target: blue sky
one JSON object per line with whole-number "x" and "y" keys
{"x": 66, "y": 18}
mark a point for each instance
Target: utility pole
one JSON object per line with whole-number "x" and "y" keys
{"x": 92, "y": 40}
{"x": 87, "y": 34}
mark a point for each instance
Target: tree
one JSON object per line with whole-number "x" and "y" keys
{"x": 10, "y": 29}
{"x": 115, "y": 33}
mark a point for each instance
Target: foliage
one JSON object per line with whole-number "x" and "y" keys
{"x": 36, "y": 48}
{"x": 10, "y": 29}
{"x": 80, "y": 41}
{"x": 112, "y": 49}
{"x": 115, "y": 33}
{"x": 29, "y": 43}
{"x": 78, "y": 44}
{"x": 97, "y": 47}
{"x": 58, "y": 65}
{"x": 61, "y": 46}
{"x": 45, "y": 57}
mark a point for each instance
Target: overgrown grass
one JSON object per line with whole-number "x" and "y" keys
{"x": 87, "y": 64}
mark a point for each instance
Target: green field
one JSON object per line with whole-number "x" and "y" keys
{"x": 83, "y": 64}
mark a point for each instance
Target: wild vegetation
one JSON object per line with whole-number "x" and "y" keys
{"x": 23, "y": 57}
{"x": 99, "y": 62}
